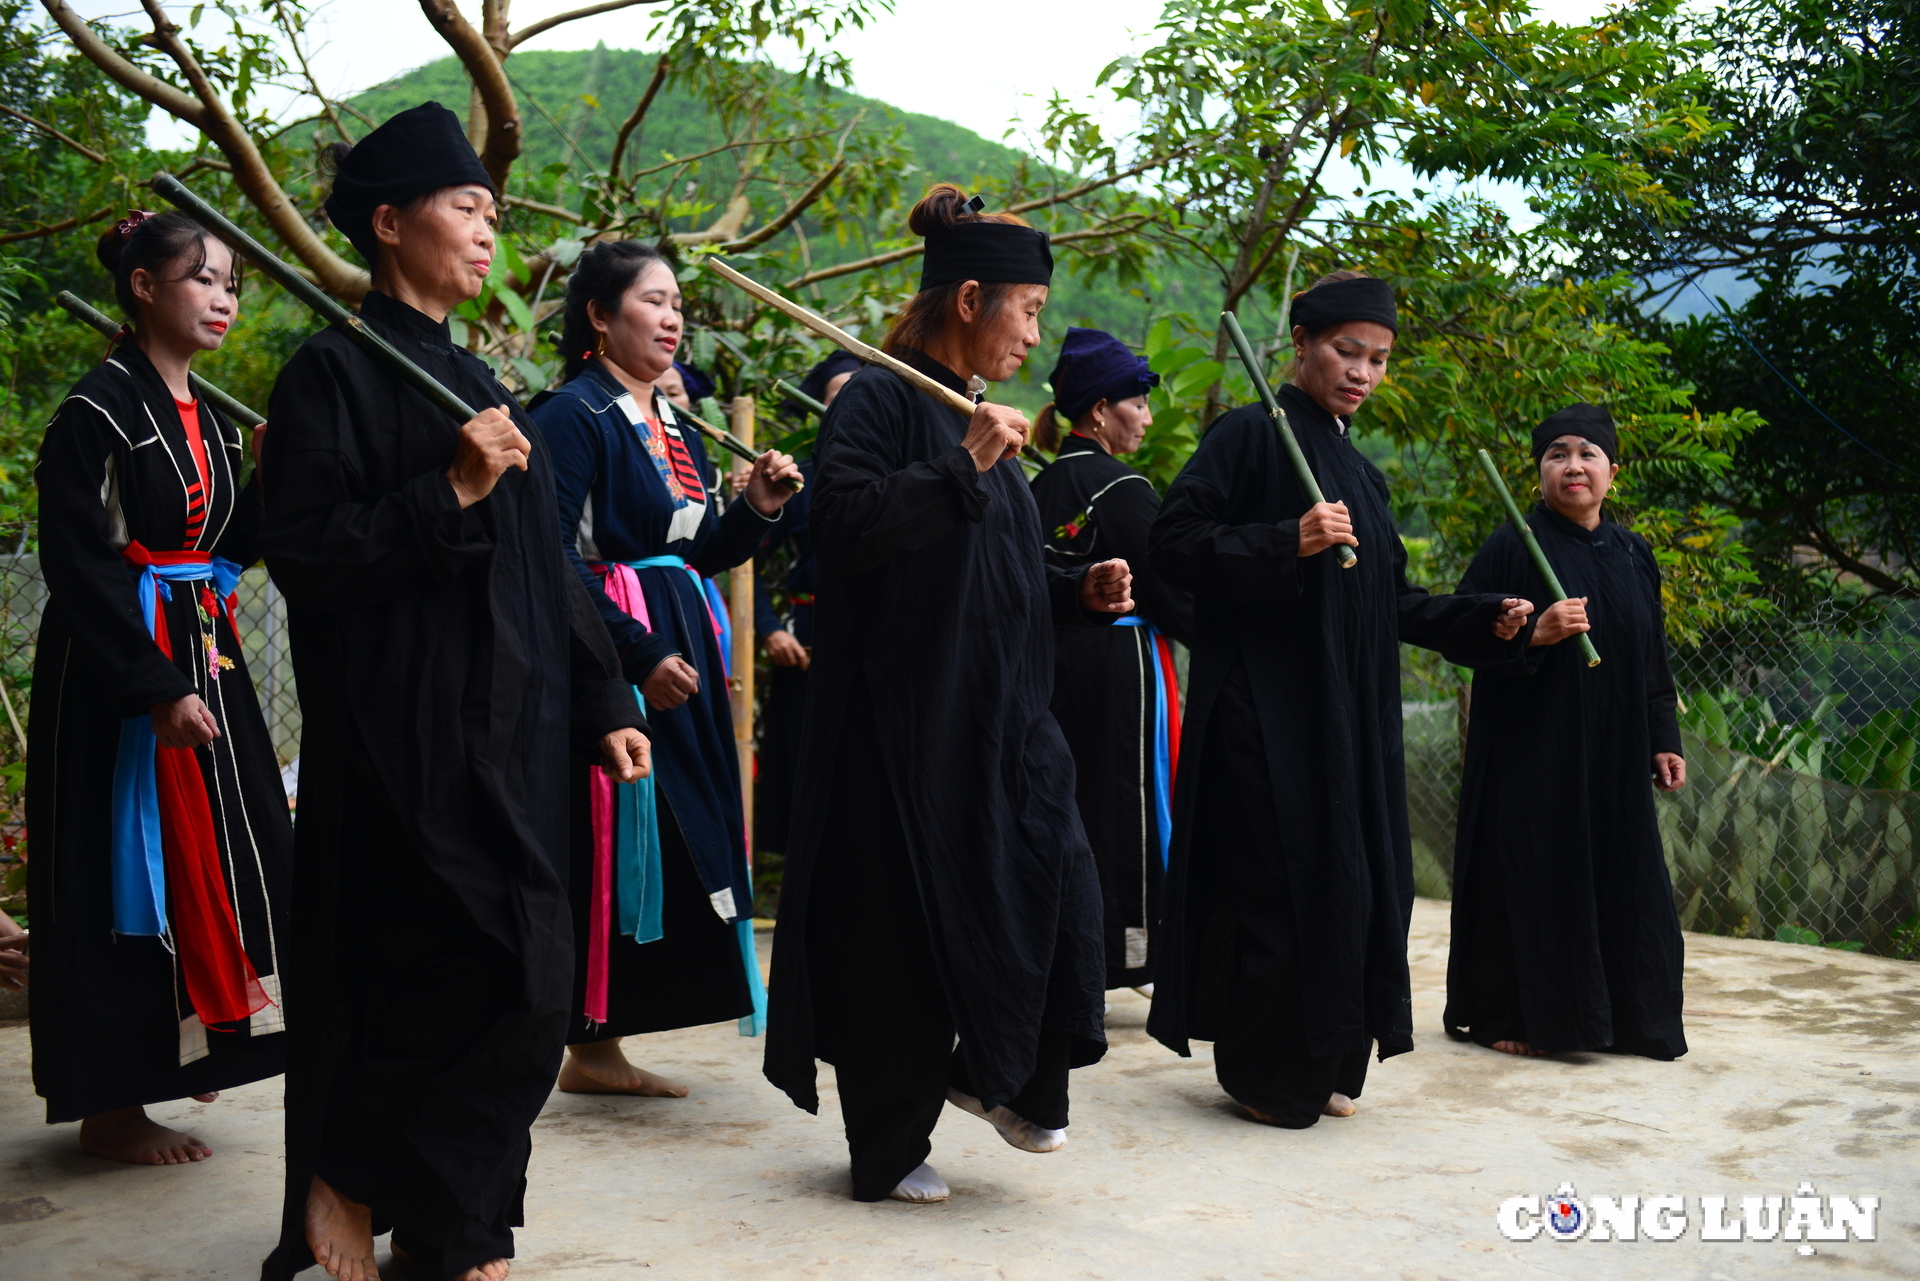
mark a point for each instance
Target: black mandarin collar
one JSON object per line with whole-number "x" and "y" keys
{"x": 1574, "y": 529}
{"x": 1302, "y": 407}
{"x": 392, "y": 314}
{"x": 1078, "y": 444}
{"x": 933, "y": 369}
{"x": 127, "y": 351}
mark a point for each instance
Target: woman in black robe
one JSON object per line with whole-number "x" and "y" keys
{"x": 1114, "y": 690}
{"x": 162, "y": 846}
{"x": 939, "y": 881}
{"x": 788, "y": 640}
{"x": 448, "y": 659}
{"x": 661, "y": 889}
{"x": 1565, "y": 935}
{"x": 1290, "y": 889}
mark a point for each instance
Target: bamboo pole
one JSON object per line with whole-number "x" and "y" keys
{"x": 105, "y": 324}
{"x": 827, "y": 329}
{"x": 740, "y": 604}
{"x": 1342, "y": 553}
{"x": 1540, "y": 561}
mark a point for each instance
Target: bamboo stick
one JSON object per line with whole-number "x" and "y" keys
{"x": 109, "y": 328}
{"x": 1342, "y": 553}
{"x": 827, "y": 329}
{"x": 740, "y": 604}
{"x": 1540, "y": 561}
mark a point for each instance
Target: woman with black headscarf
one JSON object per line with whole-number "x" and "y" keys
{"x": 939, "y": 882}
{"x": 1114, "y": 690}
{"x": 1565, "y": 935}
{"x": 1290, "y": 888}
{"x": 449, "y": 658}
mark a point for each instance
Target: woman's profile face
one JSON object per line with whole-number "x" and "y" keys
{"x": 673, "y": 387}
{"x": 442, "y": 247}
{"x": 998, "y": 344}
{"x": 642, "y": 336}
{"x": 1341, "y": 366}
{"x": 190, "y": 310}
{"x": 1125, "y": 425}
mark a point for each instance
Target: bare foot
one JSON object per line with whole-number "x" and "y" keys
{"x": 1338, "y": 1105}
{"x": 496, "y": 1270}
{"x": 598, "y": 1067}
{"x": 340, "y": 1234}
{"x": 1519, "y": 1047}
{"x": 127, "y": 1134}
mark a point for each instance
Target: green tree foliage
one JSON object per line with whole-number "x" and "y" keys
{"x": 1812, "y": 194}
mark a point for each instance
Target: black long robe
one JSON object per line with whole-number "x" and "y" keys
{"x": 1093, "y": 507}
{"x": 934, "y": 595}
{"x": 108, "y": 1011}
{"x": 448, "y": 660}
{"x": 1564, "y": 929}
{"x": 1319, "y": 646}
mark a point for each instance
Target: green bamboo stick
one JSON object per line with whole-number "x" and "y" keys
{"x": 1540, "y": 561}
{"x": 306, "y": 291}
{"x": 1343, "y": 553}
{"x": 106, "y": 324}
{"x": 800, "y": 397}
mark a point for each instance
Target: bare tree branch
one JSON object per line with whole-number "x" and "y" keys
{"x": 1025, "y": 206}
{"x": 1869, "y": 574}
{"x": 250, "y": 172}
{"x": 725, "y": 228}
{"x": 300, "y": 55}
{"x": 129, "y": 77}
{"x": 661, "y": 67}
{"x": 53, "y": 229}
{"x": 547, "y": 24}
{"x": 51, "y": 132}
{"x": 534, "y": 206}
{"x": 792, "y": 211}
{"x": 502, "y": 144}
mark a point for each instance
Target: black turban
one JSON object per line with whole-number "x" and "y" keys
{"x": 1589, "y": 422}
{"x": 1095, "y": 366}
{"x": 422, "y": 149}
{"x": 1338, "y": 301}
{"x": 840, "y": 362}
{"x": 1001, "y": 253}
{"x": 698, "y": 385}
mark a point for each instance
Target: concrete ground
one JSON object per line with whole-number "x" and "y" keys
{"x": 1803, "y": 1067}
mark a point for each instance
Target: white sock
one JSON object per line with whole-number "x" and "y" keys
{"x": 922, "y": 1187}
{"x": 1014, "y": 1128}
{"x": 1146, "y": 990}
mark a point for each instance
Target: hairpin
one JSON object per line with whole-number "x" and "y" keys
{"x": 976, "y": 204}
{"x": 133, "y": 219}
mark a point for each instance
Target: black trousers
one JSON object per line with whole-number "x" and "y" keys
{"x": 880, "y": 1011}
{"x": 1260, "y": 1055}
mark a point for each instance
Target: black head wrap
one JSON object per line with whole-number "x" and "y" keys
{"x": 1589, "y": 422}
{"x": 840, "y": 362}
{"x": 422, "y": 149}
{"x": 698, "y": 385}
{"x": 1095, "y": 366}
{"x": 1338, "y": 301}
{"x": 989, "y": 252}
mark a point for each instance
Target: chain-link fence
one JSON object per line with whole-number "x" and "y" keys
{"x": 1798, "y": 821}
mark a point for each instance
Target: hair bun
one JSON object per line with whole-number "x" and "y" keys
{"x": 942, "y": 206}
{"x": 107, "y": 250}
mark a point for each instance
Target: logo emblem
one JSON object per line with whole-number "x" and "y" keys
{"x": 1566, "y": 1214}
